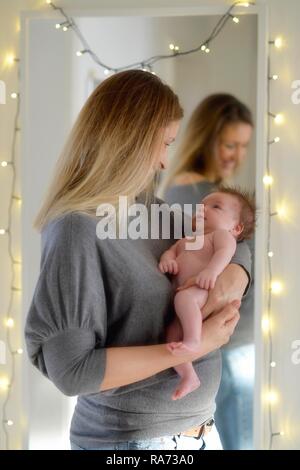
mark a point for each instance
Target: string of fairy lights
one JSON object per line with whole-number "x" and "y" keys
{"x": 6, "y": 383}
{"x": 275, "y": 286}
{"x": 146, "y": 64}
{"x": 68, "y": 23}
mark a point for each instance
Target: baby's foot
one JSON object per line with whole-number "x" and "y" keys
{"x": 186, "y": 385}
{"x": 178, "y": 348}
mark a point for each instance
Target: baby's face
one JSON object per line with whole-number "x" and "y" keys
{"x": 221, "y": 212}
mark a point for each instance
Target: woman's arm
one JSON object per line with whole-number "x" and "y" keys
{"x": 125, "y": 365}
{"x": 230, "y": 284}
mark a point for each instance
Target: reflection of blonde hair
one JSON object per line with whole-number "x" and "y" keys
{"x": 112, "y": 148}
{"x": 197, "y": 149}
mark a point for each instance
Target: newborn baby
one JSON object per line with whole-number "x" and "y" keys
{"x": 229, "y": 215}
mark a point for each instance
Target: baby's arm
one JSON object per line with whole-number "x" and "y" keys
{"x": 167, "y": 262}
{"x": 224, "y": 245}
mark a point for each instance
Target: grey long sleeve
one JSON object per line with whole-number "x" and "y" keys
{"x": 66, "y": 325}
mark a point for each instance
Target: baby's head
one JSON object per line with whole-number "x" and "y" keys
{"x": 232, "y": 209}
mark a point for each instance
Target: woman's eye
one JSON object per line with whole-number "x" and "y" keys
{"x": 216, "y": 206}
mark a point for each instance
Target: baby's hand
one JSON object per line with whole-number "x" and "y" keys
{"x": 206, "y": 279}
{"x": 168, "y": 266}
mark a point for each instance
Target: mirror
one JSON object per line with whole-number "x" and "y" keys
{"x": 56, "y": 83}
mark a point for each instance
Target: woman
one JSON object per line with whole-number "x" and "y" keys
{"x": 213, "y": 148}
{"x": 96, "y": 324}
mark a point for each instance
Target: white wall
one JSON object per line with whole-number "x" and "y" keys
{"x": 285, "y": 166}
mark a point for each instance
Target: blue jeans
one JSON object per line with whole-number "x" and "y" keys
{"x": 234, "y": 401}
{"x": 158, "y": 443}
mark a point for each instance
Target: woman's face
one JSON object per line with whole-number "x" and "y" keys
{"x": 232, "y": 147}
{"x": 169, "y": 136}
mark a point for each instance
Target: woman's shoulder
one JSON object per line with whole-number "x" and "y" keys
{"x": 69, "y": 227}
{"x": 188, "y": 177}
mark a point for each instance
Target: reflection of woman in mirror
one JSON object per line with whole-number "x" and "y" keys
{"x": 97, "y": 319}
{"x": 213, "y": 148}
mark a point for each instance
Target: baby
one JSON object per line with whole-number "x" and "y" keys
{"x": 229, "y": 215}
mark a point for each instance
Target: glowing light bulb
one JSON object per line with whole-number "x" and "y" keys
{"x": 235, "y": 19}
{"x": 14, "y": 95}
{"x": 265, "y": 324}
{"x": 65, "y": 28}
{"x": 207, "y": 50}
{"x": 57, "y": 26}
{"x": 172, "y": 47}
{"x": 270, "y": 254}
{"x": 278, "y": 42}
{"x": 4, "y": 383}
{"x": 203, "y": 47}
{"x": 278, "y": 118}
{"x": 276, "y": 287}
{"x": 273, "y": 364}
{"x": 282, "y": 212}
{"x": 79, "y": 53}
{"x": 275, "y": 77}
{"x": 276, "y": 140}
{"x": 48, "y": 2}
{"x": 106, "y": 72}
{"x": 20, "y": 351}
{"x": 10, "y": 59}
{"x": 10, "y": 323}
{"x": 281, "y": 433}
{"x": 4, "y": 164}
{"x": 2, "y": 231}
{"x": 9, "y": 422}
{"x": 17, "y": 199}
{"x": 272, "y": 397}
{"x": 176, "y": 48}
{"x": 268, "y": 180}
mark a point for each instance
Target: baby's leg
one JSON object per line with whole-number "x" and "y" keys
{"x": 188, "y": 304}
{"x": 189, "y": 380}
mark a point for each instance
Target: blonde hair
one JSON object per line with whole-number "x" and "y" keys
{"x": 112, "y": 146}
{"x": 198, "y": 145}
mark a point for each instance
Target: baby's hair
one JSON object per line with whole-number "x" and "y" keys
{"x": 248, "y": 208}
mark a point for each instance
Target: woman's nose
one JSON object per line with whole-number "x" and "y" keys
{"x": 240, "y": 153}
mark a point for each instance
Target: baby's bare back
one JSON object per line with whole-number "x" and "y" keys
{"x": 191, "y": 262}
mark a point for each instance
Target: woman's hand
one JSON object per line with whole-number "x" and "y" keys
{"x": 230, "y": 285}
{"x": 218, "y": 328}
